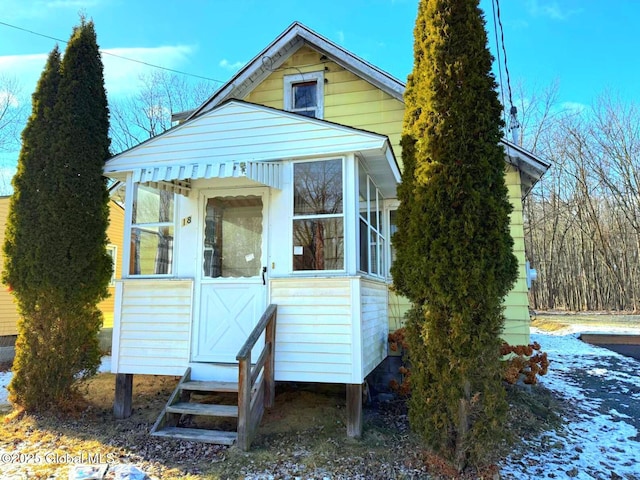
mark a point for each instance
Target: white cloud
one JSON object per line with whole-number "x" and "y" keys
{"x": 550, "y": 9}
{"x": 227, "y": 65}
{"x": 9, "y": 99}
{"x": 573, "y": 107}
{"x": 25, "y": 69}
{"x": 340, "y": 37}
{"x": 121, "y": 76}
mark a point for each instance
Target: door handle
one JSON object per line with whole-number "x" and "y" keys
{"x": 264, "y": 270}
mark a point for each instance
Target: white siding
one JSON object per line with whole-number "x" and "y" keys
{"x": 374, "y": 324}
{"x": 152, "y": 326}
{"x": 314, "y": 332}
{"x": 238, "y": 132}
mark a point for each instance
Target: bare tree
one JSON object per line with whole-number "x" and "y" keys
{"x": 582, "y": 221}
{"x": 13, "y": 116}
{"x": 148, "y": 112}
{"x": 13, "y": 113}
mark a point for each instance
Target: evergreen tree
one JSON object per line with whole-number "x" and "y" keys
{"x": 454, "y": 249}
{"x": 57, "y": 262}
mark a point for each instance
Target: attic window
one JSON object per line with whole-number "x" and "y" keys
{"x": 304, "y": 94}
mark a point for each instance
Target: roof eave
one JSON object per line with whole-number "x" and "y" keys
{"x": 276, "y": 54}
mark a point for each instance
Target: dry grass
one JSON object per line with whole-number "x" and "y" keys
{"x": 554, "y": 321}
{"x": 305, "y": 433}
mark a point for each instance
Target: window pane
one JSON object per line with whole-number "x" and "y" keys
{"x": 233, "y": 237}
{"x": 317, "y": 187}
{"x": 152, "y": 206}
{"x": 363, "y": 266}
{"x": 151, "y": 250}
{"x": 362, "y": 189}
{"x": 318, "y": 244}
{"x": 305, "y": 95}
{"x": 373, "y": 248}
{"x": 373, "y": 207}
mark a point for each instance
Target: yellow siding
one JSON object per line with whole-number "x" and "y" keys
{"x": 348, "y": 100}
{"x": 516, "y": 331}
{"x": 115, "y": 234}
{"x": 8, "y": 311}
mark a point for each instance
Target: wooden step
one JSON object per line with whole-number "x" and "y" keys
{"x": 218, "y": 437}
{"x": 203, "y": 409}
{"x": 206, "y": 386}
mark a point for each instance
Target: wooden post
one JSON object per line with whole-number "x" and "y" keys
{"x": 269, "y": 366}
{"x": 354, "y": 410}
{"x": 124, "y": 394}
{"x": 244, "y": 403}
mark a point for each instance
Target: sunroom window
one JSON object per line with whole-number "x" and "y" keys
{"x": 372, "y": 241}
{"x": 152, "y": 232}
{"x": 303, "y": 94}
{"x": 318, "y": 215}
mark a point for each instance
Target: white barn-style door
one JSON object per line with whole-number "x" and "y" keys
{"x": 233, "y": 284}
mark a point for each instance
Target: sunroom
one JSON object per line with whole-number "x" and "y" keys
{"x": 245, "y": 207}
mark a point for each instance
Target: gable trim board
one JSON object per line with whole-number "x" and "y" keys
{"x": 277, "y": 52}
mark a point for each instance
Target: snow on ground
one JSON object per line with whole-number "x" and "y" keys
{"x": 5, "y": 377}
{"x": 601, "y": 438}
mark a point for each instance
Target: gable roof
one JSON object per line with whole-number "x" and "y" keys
{"x": 298, "y": 35}
{"x": 239, "y": 138}
{"x": 278, "y": 51}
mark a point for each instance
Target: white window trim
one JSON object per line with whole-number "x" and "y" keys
{"x": 131, "y": 226}
{"x": 343, "y": 215}
{"x": 383, "y": 250}
{"x": 389, "y": 205}
{"x": 290, "y": 80}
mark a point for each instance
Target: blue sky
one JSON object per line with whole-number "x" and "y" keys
{"x": 587, "y": 46}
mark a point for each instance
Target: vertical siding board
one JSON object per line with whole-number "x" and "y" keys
{"x": 516, "y": 302}
{"x": 312, "y": 328}
{"x": 375, "y": 323}
{"x": 8, "y": 308}
{"x": 344, "y": 97}
{"x": 166, "y": 346}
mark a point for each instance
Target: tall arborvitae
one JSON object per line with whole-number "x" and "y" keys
{"x": 23, "y": 247}
{"x": 57, "y": 262}
{"x": 454, "y": 249}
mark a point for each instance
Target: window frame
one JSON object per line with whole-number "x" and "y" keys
{"x": 390, "y": 205}
{"x": 380, "y": 230}
{"x": 142, "y": 226}
{"x": 342, "y": 215}
{"x": 291, "y": 80}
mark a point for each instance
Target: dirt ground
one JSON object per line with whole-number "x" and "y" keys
{"x": 303, "y": 436}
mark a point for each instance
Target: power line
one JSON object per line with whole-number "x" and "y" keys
{"x": 115, "y": 55}
{"x": 514, "y": 125}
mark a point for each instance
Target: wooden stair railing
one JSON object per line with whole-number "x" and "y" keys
{"x": 256, "y": 383}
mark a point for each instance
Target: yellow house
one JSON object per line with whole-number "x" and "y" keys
{"x": 8, "y": 311}
{"x": 278, "y": 190}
